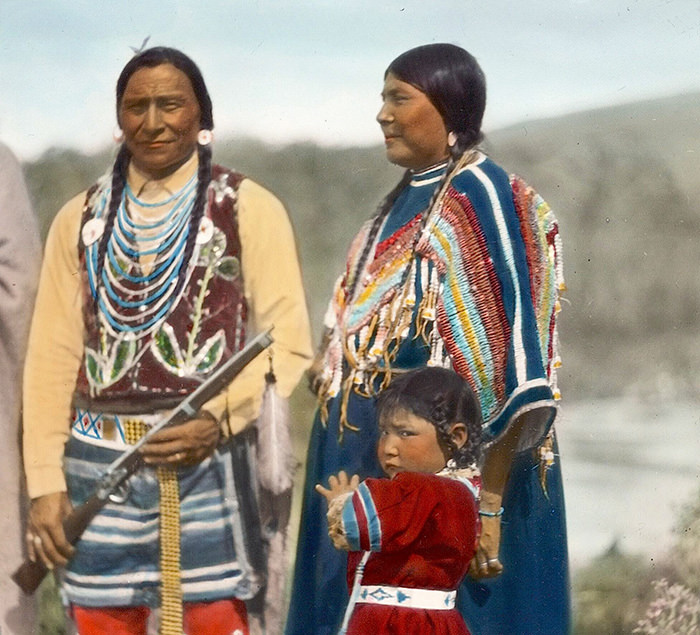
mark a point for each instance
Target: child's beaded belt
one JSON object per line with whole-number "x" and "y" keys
{"x": 430, "y": 599}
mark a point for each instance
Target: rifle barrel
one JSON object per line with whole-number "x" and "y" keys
{"x": 30, "y": 574}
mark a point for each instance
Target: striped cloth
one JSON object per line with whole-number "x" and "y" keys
{"x": 496, "y": 245}
{"x": 480, "y": 285}
{"x": 116, "y": 562}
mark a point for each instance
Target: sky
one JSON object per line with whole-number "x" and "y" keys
{"x": 293, "y": 70}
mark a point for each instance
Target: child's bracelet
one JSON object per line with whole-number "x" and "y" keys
{"x": 491, "y": 514}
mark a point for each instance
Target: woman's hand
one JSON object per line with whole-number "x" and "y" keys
{"x": 185, "y": 444}
{"x": 494, "y": 474}
{"x": 339, "y": 485}
{"x": 486, "y": 563}
{"x": 46, "y": 540}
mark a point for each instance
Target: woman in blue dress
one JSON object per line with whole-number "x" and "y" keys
{"x": 460, "y": 267}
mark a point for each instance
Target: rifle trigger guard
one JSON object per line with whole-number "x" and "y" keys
{"x": 120, "y": 494}
{"x": 112, "y": 483}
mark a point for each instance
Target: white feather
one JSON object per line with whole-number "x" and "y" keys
{"x": 275, "y": 459}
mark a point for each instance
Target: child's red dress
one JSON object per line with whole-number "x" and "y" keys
{"x": 412, "y": 539}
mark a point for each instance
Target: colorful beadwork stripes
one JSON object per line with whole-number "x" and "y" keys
{"x": 480, "y": 285}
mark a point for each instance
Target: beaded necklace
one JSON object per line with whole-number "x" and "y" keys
{"x": 143, "y": 261}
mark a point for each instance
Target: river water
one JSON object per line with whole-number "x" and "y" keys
{"x": 628, "y": 468}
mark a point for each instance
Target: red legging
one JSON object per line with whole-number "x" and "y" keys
{"x": 223, "y": 617}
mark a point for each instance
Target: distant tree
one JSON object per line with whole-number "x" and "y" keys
{"x": 57, "y": 176}
{"x": 608, "y": 593}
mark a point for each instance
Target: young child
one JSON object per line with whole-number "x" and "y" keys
{"x": 411, "y": 537}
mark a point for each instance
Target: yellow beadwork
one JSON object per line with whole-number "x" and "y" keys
{"x": 171, "y": 587}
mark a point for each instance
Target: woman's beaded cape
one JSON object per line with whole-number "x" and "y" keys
{"x": 481, "y": 292}
{"x": 124, "y": 366}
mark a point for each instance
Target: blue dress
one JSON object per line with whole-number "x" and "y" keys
{"x": 532, "y": 594}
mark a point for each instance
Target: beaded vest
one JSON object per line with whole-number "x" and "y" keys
{"x": 129, "y": 369}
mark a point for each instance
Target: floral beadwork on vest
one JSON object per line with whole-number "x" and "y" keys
{"x": 143, "y": 342}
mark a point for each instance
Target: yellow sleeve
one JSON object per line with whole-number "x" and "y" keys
{"x": 53, "y": 354}
{"x": 275, "y": 296}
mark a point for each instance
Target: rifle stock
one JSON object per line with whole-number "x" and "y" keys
{"x": 30, "y": 574}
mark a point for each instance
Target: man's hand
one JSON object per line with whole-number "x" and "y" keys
{"x": 46, "y": 540}
{"x": 185, "y": 444}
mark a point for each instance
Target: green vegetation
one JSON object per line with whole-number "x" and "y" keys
{"x": 609, "y": 593}
{"x": 623, "y": 181}
{"x": 619, "y": 594}
{"x": 625, "y": 184}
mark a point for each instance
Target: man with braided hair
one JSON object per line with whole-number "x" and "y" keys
{"x": 151, "y": 279}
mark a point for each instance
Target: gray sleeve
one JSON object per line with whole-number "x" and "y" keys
{"x": 20, "y": 256}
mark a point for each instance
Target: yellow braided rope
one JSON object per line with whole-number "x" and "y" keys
{"x": 171, "y": 588}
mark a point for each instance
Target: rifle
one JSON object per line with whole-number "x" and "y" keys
{"x": 30, "y": 574}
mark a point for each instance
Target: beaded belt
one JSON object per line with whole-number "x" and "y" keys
{"x": 106, "y": 430}
{"x": 118, "y": 432}
{"x": 170, "y": 585}
{"x": 405, "y": 596}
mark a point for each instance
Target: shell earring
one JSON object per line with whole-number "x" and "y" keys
{"x": 452, "y": 139}
{"x": 204, "y": 137}
{"x": 117, "y": 134}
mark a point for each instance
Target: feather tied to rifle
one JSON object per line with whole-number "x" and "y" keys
{"x": 276, "y": 462}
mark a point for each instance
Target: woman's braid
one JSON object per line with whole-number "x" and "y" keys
{"x": 380, "y": 215}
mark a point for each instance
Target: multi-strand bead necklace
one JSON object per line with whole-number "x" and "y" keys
{"x": 143, "y": 261}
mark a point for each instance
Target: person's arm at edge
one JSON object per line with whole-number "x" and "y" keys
{"x": 495, "y": 471}
{"x": 53, "y": 359}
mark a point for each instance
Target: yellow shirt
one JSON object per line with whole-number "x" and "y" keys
{"x": 273, "y": 290}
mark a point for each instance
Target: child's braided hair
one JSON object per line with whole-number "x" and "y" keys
{"x": 443, "y": 398}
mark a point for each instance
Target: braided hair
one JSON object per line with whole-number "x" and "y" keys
{"x": 151, "y": 58}
{"x": 454, "y": 83}
{"x": 443, "y": 398}
{"x": 376, "y": 225}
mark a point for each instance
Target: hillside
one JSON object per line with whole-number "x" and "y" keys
{"x": 624, "y": 182}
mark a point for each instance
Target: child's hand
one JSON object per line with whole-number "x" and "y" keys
{"x": 338, "y": 485}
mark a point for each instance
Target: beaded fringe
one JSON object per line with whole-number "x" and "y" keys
{"x": 386, "y": 305}
{"x": 365, "y": 331}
